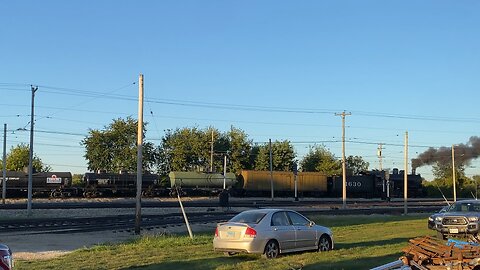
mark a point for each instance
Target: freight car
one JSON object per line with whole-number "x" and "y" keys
{"x": 53, "y": 184}
{"x": 198, "y": 183}
{"x": 259, "y": 183}
{"x": 124, "y": 184}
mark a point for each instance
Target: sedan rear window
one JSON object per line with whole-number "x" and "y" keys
{"x": 247, "y": 217}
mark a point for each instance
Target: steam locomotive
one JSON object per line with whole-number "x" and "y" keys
{"x": 373, "y": 184}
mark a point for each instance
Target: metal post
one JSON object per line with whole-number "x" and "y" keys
{"x": 344, "y": 166}
{"x": 138, "y": 205}
{"x": 184, "y": 215}
{"x": 4, "y": 182}
{"x": 405, "y": 177}
{"x": 30, "y": 160}
{"x": 225, "y": 172}
{"x": 271, "y": 167}
{"x": 453, "y": 175}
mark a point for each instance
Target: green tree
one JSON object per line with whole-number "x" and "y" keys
{"x": 443, "y": 174}
{"x": 189, "y": 149}
{"x": 320, "y": 159}
{"x": 184, "y": 149}
{"x": 283, "y": 156}
{"x": 18, "y": 160}
{"x": 240, "y": 150}
{"x": 356, "y": 164}
{"x": 115, "y": 148}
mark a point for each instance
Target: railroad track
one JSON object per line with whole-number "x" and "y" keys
{"x": 127, "y": 222}
{"x": 207, "y": 204}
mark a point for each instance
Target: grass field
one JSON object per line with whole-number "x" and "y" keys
{"x": 361, "y": 242}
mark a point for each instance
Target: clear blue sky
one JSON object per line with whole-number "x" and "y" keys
{"x": 395, "y": 65}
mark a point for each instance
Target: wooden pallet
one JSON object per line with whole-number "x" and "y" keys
{"x": 427, "y": 253}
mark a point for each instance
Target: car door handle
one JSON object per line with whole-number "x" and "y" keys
{"x": 275, "y": 229}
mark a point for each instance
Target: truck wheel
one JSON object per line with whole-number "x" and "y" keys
{"x": 441, "y": 236}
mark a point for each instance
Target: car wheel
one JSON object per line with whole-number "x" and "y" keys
{"x": 272, "y": 250}
{"x": 324, "y": 244}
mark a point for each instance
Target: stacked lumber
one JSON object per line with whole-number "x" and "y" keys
{"x": 427, "y": 253}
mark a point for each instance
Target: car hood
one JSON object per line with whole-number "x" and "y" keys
{"x": 460, "y": 214}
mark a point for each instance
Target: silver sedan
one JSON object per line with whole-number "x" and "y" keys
{"x": 271, "y": 232}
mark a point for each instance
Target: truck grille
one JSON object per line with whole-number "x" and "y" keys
{"x": 454, "y": 221}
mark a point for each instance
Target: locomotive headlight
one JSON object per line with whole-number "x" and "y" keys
{"x": 473, "y": 219}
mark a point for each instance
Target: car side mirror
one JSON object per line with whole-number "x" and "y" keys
{"x": 311, "y": 224}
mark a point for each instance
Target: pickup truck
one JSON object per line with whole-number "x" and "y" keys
{"x": 6, "y": 259}
{"x": 461, "y": 219}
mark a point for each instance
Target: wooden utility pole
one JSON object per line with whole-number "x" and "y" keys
{"x": 30, "y": 160}
{"x": 405, "y": 177}
{"x": 453, "y": 174}
{"x": 138, "y": 205}
{"x": 4, "y": 181}
{"x": 271, "y": 167}
{"x": 344, "y": 167}
{"x": 211, "y": 154}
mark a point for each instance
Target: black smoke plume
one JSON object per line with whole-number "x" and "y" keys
{"x": 464, "y": 153}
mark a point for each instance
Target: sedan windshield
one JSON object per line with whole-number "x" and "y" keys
{"x": 465, "y": 207}
{"x": 248, "y": 217}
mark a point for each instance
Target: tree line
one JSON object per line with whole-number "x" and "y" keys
{"x": 189, "y": 149}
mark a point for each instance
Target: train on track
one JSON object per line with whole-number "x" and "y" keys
{"x": 373, "y": 184}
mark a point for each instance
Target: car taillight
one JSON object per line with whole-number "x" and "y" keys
{"x": 250, "y": 232}
{"x": 216, "y": 232}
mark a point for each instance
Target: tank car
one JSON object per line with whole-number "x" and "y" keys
{"x": 54, "y": 184}
{"x": 200, "y": 183}
{"x": 102, "y": 183}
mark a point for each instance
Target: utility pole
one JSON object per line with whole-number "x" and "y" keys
{"x": 225, "y": 172}
{"x": 453, "y": 175}
{"x": 4, "y": 182}
{"x": 271, "y": 167}
{"x": 211, "y": 154}
{"x": 138, "y": 205}
{"x": 405, "y": 177}
{"x": 30, "y": 160}
{"x": 380, "y": 157}
{"x": 344, "y": 167}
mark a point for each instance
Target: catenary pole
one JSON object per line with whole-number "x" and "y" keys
{"x": 30, "y": 159}
{"x": 138, "y": 205}
{"x": 4, "y": 181}
{"x": 344, "y": 167}
{"x": 405, "y": 177}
